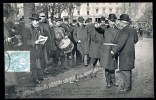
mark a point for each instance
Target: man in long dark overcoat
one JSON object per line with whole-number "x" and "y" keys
{"x": 126, "y": 49}
{"x": 81, "y": 38}
{"x": 36, "y": 50}
{"x": 94, "y": 44}
{"x": 49, "y": 45}
{"x": 107, "y": 61}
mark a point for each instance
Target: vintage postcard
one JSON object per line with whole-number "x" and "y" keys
{"x": 78, "y": 50}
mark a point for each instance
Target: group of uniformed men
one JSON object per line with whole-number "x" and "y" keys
{"x": 106, "y": 41}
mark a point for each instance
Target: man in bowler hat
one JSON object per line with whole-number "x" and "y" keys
{"x": 126, "y": 48}
{"x": 36, "y": 49}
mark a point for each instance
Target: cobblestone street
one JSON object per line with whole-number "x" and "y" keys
{"x": 142, "y": 85}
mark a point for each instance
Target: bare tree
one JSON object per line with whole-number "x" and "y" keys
{"x": 70, "y": 7}
{"x": 57, "y": 9}
{"x": 11, "y": 9}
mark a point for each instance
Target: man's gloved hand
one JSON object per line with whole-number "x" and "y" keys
{"x": 112, "y": 52}
{"x": 37, "y": 42}
{"x": 79, "y": 41}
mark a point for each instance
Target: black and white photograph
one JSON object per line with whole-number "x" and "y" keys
{"x": 78, "y": 50}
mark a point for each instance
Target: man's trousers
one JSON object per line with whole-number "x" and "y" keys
{"x": 127, "y": 79}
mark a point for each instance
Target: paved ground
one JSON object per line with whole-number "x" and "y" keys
{"x": 143, "y": 80}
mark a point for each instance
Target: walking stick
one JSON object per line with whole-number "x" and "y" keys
{"x": 75, "y": 56}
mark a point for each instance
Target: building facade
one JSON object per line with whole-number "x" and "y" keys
{"x": 96, "y": 10}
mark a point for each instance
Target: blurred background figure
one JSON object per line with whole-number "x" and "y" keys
{"x": 140, "y": 32}
{"x": 10, "y": 77}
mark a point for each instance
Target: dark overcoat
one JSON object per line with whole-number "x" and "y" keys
{"x": 80, "y": 33}
{"x": 126, "y": 48}
{"x": 94, "y": 41}
{"x": 107, "y": 60}
{"x": 36, "y": 50}
{"x": 47, "y": 31}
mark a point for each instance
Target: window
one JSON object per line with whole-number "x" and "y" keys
{"x": 97, "y": 10}
{"x": 110, "y": 9}
{"x": 116, "y": 10}
{"x": 87, "y": 4}
{"x": 87, "y": 12}
{"x": 78, "y": 12}
{"x": 104, "y": 10}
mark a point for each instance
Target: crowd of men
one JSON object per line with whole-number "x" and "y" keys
{"x": 106, "y": 41}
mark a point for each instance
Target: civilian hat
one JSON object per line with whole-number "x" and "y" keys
{"x": 102, "y": 18}
{"x": 81, "y": 19}
{"x": 125, "y": 17}
{"x": 34, "y": 17}
{"x": 112, "y": 17}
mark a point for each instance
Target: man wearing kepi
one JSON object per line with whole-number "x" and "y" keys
{"x": 126, "y": 49}
{"x": 107, "y": 60}
{"x": 81, "y": 37}
{"x": 36, "y": 48}
{"x": 49, "y": 45}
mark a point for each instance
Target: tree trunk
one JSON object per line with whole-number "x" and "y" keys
{"x": 29, "y": 9}
{"x": 52, "y": 14}
{"x": 45, "y": 5}
{"x": 70, "y": 13}
{"x": 15, "y": 11}
{"x": 59, "y": 9}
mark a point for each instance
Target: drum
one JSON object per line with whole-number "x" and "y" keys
{"x": 66, "y": 45}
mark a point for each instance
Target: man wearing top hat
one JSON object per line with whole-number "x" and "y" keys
{"x": 126, "y": 48}
{"x": 107, "y": 61}
{"x": 36, "y": 49}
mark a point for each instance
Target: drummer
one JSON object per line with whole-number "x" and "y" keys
{"x": 59, "y": 35}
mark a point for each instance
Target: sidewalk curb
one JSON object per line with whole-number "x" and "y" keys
{"x": 60, "y": 82}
